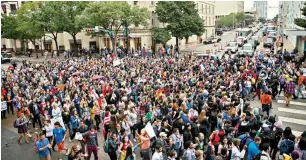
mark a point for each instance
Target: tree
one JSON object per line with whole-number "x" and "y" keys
{"x": 27, "y": 25}
{"x": 71, "y": 10}
{"x": 226, "y": 21}
{"x": 301, "y": 21}
{"x": 181, "y": 17}
{"x": 161, "y": 35}
{"x": 240, "y": 17}
{"x": 48, "y": 15}
{"x": 111, "y": 16}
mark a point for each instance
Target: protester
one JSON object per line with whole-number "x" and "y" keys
{"x": 43, "y": 147}
{"x": 185, "y": 98}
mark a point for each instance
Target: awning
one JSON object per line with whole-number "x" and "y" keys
{"x": 295, "y": 32}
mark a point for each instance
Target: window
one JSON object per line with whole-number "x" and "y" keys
{"x": 4, "y": 8}
{"x": 209, "y": 10}
{"x": 206, "y": 9}
{"x": 213, "y": 11}
{"x": 152, "y": 2}
{"x": 135, "y": 2}
{"x": 208, "y": 21}
{"x": 152, "y": 22}
{"x": 202, "y": 8}
{"x": 13, "y": 8}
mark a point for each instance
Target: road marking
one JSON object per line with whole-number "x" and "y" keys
{"x": 292, "y": 120}
{"x": 292, "y": 102}
{"x": 291, "y": 110}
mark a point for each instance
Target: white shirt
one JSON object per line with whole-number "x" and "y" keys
{"x": 236, "y": 154}
{"x": 56, "y": 113}
{"x": 157, "y": 156}
{"x": 49, "y": 130}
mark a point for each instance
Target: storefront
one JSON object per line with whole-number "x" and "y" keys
{"x": 298, "y": 38}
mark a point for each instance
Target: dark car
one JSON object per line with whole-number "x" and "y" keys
{"x": 219, "y": 32}
{"x": 269, "y": 43}
{"x": 5, "y": 58}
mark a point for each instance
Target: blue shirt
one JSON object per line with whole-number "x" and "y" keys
{"x": 41, "y": 144}
{"x": 74, "y": 122}
{"x": 77, "y": 102}
{"x": 58, "y": 134}
{"x": 252, "y": 150}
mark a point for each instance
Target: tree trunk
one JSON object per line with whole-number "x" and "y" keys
{"x": 75, "y": 45}
{"x": 177, "y": 44}
{"x": 42, "y": 54}
{"x": 56, "y": 45}
{"x": 186, "y": 38}
{"x": 114, "y": 45}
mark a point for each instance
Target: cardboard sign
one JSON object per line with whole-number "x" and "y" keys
{"x": 116, "y": 62}
{"x": 60, "y": 120}
{"x": 3, "y": 106}
{"x": 149, "y": 130}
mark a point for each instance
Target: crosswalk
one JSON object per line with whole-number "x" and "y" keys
{"x": 293, "y": 116}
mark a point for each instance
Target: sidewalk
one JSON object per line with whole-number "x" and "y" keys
{"x": 39, "y": 59}
{"x": 288, "y": 45}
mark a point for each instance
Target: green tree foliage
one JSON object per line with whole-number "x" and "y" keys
{"x": 232, "y": 19}
{"x": 181, "y": 17}
{"x": 31, "y": 29}
{"x": 9, "y": 26}
{"x": 71, "y": 10}
{"x": 48, "y": 15}
{"x": 301, "y": 21}
{"x": 161, "y": 35}
{"x": 111, "y": 16}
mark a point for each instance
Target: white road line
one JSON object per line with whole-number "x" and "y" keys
{"x": 292, "y": 120}
{"x": 293, "y": 102}
{"x": 291, "y": 110}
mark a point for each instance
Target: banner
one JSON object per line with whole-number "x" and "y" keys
{"x": 116, "y": 62}
{"x": 60, "y": 120}
{"x": 149, "y": 130}
{"x": 3, "y": 106}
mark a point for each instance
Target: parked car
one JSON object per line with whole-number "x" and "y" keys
{"x": 256, "y": 40}
{"x": 5, "y": 58}
{"x": 231, "y": 47}
{"x": 219, "y": 32}
{"x": 272, "y": 34}
{"x": 246, "y": 50}
{"x": 269, "y": 43}
{"x": 211, "y": 40}
{"x": 240, "y": 41}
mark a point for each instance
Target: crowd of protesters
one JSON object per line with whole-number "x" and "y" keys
{"x": 199, "y": 108}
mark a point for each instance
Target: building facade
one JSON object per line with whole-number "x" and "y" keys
{"x": 223, "y": 8}
{"x": 139, "y": 37}
{"x": 261, "y": 8}
{"x": 296, "y": 34}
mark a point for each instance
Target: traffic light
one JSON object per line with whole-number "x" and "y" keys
{"x": 89, "y": 30}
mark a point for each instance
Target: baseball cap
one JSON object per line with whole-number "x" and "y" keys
{"x": 162, "y": 134}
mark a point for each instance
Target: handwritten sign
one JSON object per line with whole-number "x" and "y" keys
{"x": 3, "y": 106}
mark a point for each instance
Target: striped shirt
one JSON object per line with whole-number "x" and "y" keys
{"x": 106, "y": 120}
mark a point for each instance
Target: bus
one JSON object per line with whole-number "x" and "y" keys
{"x": 246, "y": 33}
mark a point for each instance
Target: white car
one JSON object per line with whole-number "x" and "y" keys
{"x": 231, "y": 47}
{"x": 246, "y": 50}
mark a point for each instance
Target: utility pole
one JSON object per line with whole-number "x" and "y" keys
{"x": 282, "y": 23}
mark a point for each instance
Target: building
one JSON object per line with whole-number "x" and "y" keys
{"x": 10, "y": 7}
{"x": 223, "y": 8}
{"x": 262, "y": 9}
{"x": 252, "y": 13}
{"x": 296, "y": 34}
{"x": 139, "y": 36}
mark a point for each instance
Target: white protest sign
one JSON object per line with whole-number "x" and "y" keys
{"x": 116, "y": 62}
{"x": 3, "y": 106}
{"x": 60, "y": 120}
{"x": 78, "y": 136}
{"x": 149, "y": 130}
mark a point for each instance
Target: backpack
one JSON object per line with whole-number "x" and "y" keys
{"x": 106, "y": 146}
{"x": 15, "y": 124}
{"x": 86, "y": 139}
{"x": 283, "y": 148}
{"x": 258, "y": 156}
{"x": 282, "y": 81}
